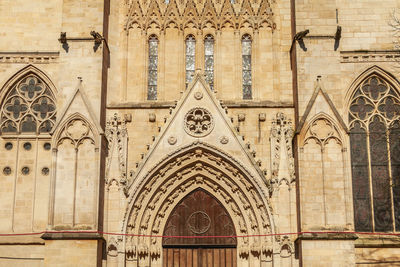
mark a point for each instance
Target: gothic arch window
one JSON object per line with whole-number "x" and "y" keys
{"x": 190, "y": 58}
{"x": 152, "y": 68}
{"x": 28, "y": 107}
{"x": 375, "y": 155}
{"x": 246, "y": 66}
{"x": 209, "y": 60}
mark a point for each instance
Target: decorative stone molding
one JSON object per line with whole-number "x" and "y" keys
{"x": 281, "y": 140}
{"x": 198, "y": 95}
{"x": 113, "y": 247}
{"x": 322, "y": 130}
{"x": 224, "y": 140}
{"x": 198, "y": 15}
{"x": 28, "y": 107}
{"x": 117, "y": 137}
{"x": 198, "y": 122}
{"x": 29, "y": 57}
{"x": 172, "y": 140}
{"x": 369, "y": 56}
{"x": 180, "y": 174}
{"x": 75, "y": 160}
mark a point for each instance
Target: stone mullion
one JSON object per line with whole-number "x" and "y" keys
{"x": 370, "y": 182}
{"x": 52, "y": 187}
{"x": 125, "y": 66}
{"x": 15, "y": 185}
{"x": 238, "y": 64}
{"x": 34, "y": 184}
{"x": 145, "y": 56}
{"x": 217, "y": 62}
{"x": 75, "y": 183}
{"x": 96, "y": 200}
{"x": 199, "y": 58}
{"x": 255, "y": 89}
{"x": 346, "y": 186}
{"x": 161, "y": 66}
{"x": 323, "y": 181}
{"x": 182, "y": 65}
{"x": 390, "y": 178}
{"x": 146, "y": 60}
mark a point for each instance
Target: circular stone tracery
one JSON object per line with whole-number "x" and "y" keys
{"x": 199, "y": 222}
{"x": 198, "y": 122}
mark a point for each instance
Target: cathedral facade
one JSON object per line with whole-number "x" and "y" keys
{"x": 251, "y": 133}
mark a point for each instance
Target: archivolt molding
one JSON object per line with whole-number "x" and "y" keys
{"x": 197, "y": 167}
{"x": 255, "y": 14}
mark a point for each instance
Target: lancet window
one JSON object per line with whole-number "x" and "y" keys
{"x": 246, "y": 66}
{"x": 28, "y": 108}
{"x": 190, "y": 58}
{"x": 152, "y": 68}
{"x": 209, "y": 60}
{"x": 375, "y": 155}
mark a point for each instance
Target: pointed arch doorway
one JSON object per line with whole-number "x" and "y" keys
{"x": 199, "y": 214}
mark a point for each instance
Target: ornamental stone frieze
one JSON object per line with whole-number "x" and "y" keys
{"x": 196, "y": 14}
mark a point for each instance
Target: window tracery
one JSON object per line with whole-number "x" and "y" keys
{"x": 29, "y": 107}
{"x": 190, "y": 58}
{"x": 246, "y": 67}
{"x": 152, "y": 68}
{"x": 375, "y": 138}
{"x": 209, "y": 60}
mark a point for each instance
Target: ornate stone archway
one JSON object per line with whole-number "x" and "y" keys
{"x": 195, "y": 166}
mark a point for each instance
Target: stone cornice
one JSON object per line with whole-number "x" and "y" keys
{"x": 35, "y": 57}
{"x": 227, "y": 103}
{"x": 369, "y": 56}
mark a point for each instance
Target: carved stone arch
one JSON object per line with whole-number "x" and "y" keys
{"x": 28, "y": 103}
{"x": 227, "y": 23}
{"x": 246, "y": 24}
{"x": 90, "y": 133}
{"x": 75, "y": 174}
{"x": 336, "y": 132}
{"x": 206, "y": 23}
{"x": 207, "y": 32}
{"x": 371, "y": 71}
{"x": 190, "y": 24}
{"x": 28, "y": 69}
{"x": 198, "y": 166}
{"x": 171, "y": 24}
{"x": 322, "y": 144}
{"x": 153, "y": 25}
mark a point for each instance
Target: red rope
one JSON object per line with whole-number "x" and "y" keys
{"x": 209, "y": 236}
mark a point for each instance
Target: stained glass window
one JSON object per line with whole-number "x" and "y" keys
{"x": 190, "y": 58}
{"x": 375, "y": 155}
{"x": 29, "y": 107}
{"x": 246, "y": 66}
{"x": 153, "y": 63}
{"x": 209, "y": 60}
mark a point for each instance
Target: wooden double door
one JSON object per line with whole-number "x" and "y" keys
{"x": 199, "y": 257}
{"x": 199, "y": 233}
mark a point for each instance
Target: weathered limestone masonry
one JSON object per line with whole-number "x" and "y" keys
{"x": 260, "y": 120}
